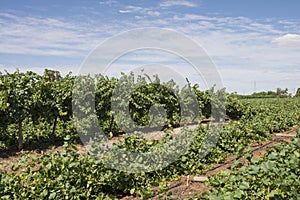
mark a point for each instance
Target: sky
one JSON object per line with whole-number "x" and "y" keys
{"x": 255, "y": 45}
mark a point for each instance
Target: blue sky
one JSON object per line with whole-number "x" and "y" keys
{"x": 255, "y": 45}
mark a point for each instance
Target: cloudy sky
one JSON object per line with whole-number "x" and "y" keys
{"x": 255, "y": 45}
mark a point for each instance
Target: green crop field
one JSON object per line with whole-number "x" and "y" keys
{"x": 37, "y": 109}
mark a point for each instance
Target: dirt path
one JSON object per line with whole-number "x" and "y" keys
{"x": 10, "y": 157}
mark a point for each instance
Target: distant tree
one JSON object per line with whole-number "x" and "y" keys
{"x": 271, "y": 93}
{"x": 278, "y": 91}
{"x": 297, "y": 93}
{"x": 264, "y": 94}
{"x": 52, "y": 75}
{"x": 281, "y": 92}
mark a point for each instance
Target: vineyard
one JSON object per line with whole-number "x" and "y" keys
{"x": 37, "y": 109}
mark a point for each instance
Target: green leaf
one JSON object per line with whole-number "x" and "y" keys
{"x": 244, "y": 185}
{"x": 52, "y": 195}
{"x": 132, "y": 191}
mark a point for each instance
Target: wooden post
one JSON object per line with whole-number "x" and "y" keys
{"x": 200, "y": 178}
{"x": 285, "y": 135}
{"x": 20, "y": 146}
{"x": 53, "y": 137}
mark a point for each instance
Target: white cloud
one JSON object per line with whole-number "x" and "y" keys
{"x": 153, "y": 13}
{"x": 125, "y": 11}
{"x": 139, "y": 17}
{"x": 140, "y": 10}
{"x": 109, "y": 2}
{"x": 132, "y": 9}
{"x": 192, "y": 17}
{"x": 286, "y": 22}
{"x": 236, "y": 23}
{"x": 45, "y": 36}
{"x": 288, "y": 40}
{"x": 170, "y": 3}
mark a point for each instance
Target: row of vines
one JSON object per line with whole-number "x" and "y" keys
{"x": 35, "y": 108}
